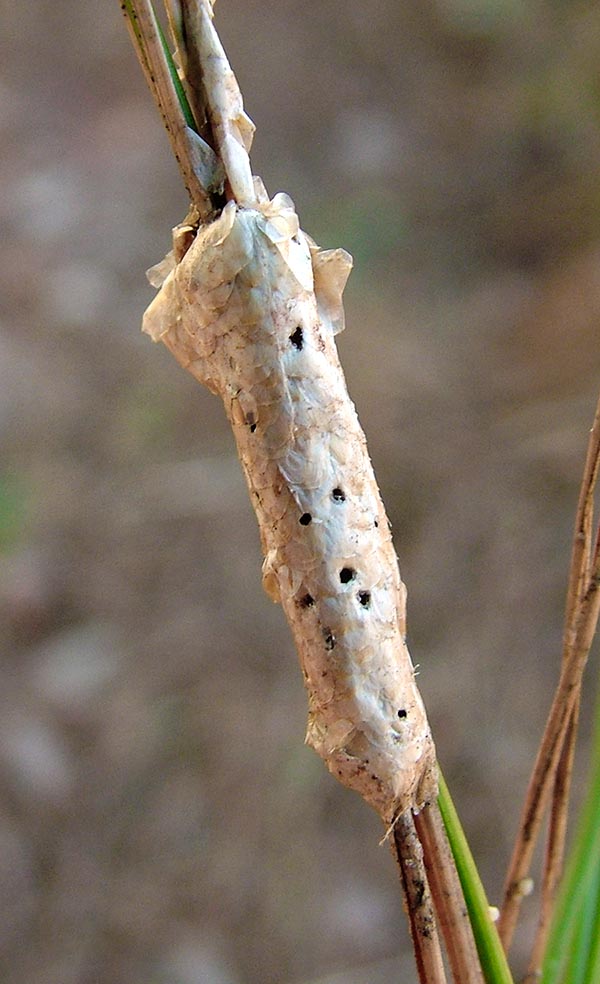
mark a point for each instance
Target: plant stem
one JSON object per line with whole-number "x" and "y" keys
{"x": 149, "y": 45}
{"x": 576, "y": 922}
{"x": 408, "y": 852}
{"x": 448, "y": 898}
{"x": 582, "y": 610}
{"x": 555, "y": 845}
{"x": 491, "y": 955}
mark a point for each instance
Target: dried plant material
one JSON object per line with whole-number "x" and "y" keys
{"x": 199, "y": 166}
{"x": 448, "y": 900}
{"x": 206, "y": 67}
{"x": 410, "y": 855}
{"x": 251, "y": 310}
{"x": 555, "y": 845}
{"x": 581, "y": 619}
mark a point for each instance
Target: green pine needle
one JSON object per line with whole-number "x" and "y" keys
{"x": 183, "y": 100}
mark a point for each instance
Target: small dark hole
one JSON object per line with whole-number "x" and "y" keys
{"x": 252, "y": 428}
{"x": 305, "y": 519}
{"x": 297, "y": 338}
{"x": 364, "y": 598}
{"x": 402, "y": 713}
{"x": 329, "y": 639}
{"x": 376, "y": 523}
{"x": 307, "y": 601}
{"x": 347, "y": 574}
{"x": 338, "y": 495}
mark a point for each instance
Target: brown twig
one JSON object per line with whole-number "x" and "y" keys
{"x": 582, "y": 610}
{"x": 408, "y": 852}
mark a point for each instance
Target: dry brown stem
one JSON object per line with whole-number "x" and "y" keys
{"x": 582, "y": 610}
{"x": 555, "y": 846}
{"x": 434, "y": 899}
{"x": 408, "y": 851}
{"x": 447, "y": 895}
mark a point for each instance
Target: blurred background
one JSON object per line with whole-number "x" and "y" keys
{"x": 161, "y": 821}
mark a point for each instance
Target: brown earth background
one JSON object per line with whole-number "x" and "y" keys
{"x": 161, "y": 821}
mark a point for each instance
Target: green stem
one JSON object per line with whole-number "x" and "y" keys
{"x": 186, "y": 109}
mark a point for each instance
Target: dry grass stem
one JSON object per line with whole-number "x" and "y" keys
{"x": 144, "y": 32}
{"x": 447, "y": 895}
{"x": 555, "y": 846}
{"x": 582, "y": 610}
{"x": 408, "y": 852}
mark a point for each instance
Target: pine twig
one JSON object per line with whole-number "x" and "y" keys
{"x": 582, "y": 611}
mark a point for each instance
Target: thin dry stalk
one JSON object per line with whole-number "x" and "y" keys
{"x": 144, "y": 32}
{"x": 540, "y": 785}
{"x": 555, "y": 847}
{"x": 447, "y": 895}
{"x": 582, "y": 559}
{"x": 408, "y": 852}
{"x": 582, "y": 610}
